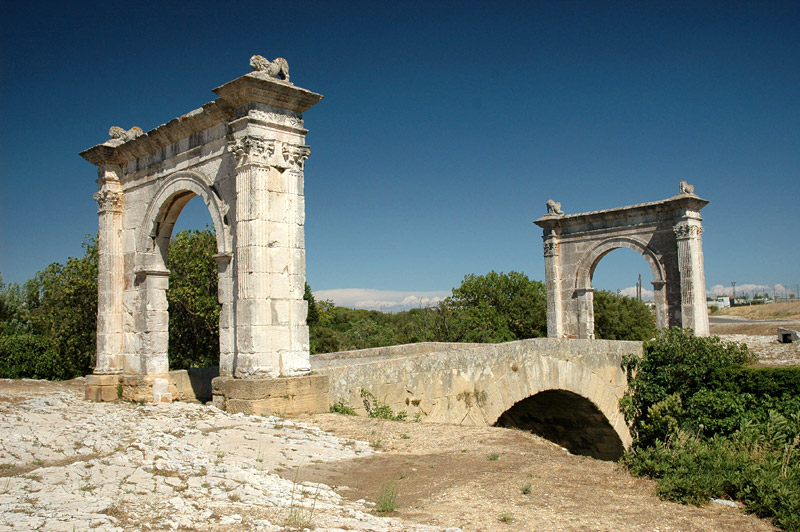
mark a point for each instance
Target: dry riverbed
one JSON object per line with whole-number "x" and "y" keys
{"x": 67, "y": 464}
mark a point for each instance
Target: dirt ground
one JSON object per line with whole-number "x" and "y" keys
{"x": 784, "y": 310}
{"x": 494, "y": 479}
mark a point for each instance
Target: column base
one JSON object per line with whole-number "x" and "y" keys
{"x": 136, "y": 388}
{"x": 281, "y": 396}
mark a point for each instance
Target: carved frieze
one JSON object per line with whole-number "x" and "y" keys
{"x": 276, "y": 118}
{"x": 687, "y": 231}
{"x": 550, "y": 249}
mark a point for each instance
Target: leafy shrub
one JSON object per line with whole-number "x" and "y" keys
{"x": 676, "y": 362}
{"x": 30, "y": 356}
{"x": 619, "y": 317}
{"x": 340, "y": 407}
{"x": 706, "y": 426}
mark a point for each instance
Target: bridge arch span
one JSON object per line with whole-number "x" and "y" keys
{"x": 567, "y": 419}
{"x": 479, "y": 384}
{"x": 568, "y": 402}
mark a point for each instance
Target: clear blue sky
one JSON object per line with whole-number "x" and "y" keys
{"x": 444, "y": 129}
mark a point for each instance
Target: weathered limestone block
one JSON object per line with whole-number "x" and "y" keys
{"x": 161, "y": 393}
{"x": 280, "y": 396}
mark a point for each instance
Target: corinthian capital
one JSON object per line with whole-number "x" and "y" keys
{"x": 687, "y": 231}
{"x": 252, "y": 150}
{"x": 549, "y": 249}
{"x": 108, "y": 200}
{"x": 295, "y": 156}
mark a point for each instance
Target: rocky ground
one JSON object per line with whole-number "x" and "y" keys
{"x": 67, "y": 464}
{"x": 762, "y": 339}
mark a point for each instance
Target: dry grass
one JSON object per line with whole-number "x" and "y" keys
{"x": 785, "y": 310}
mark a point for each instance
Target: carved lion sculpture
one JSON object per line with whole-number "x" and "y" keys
{"x": 278, "y": 68}
{"x": 686, "y": 188}
{"x": 117, "y": 132}
{"x": 554, "y": 207}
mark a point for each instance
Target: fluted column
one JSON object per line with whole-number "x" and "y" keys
{"x": 270, "y": 313}
{"x": 694, "y": 311}
{"x": 552, "y": 275}
{"x": 110, "y": 278}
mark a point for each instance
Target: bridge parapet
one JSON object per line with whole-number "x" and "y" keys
{"x": 476, "y": 383}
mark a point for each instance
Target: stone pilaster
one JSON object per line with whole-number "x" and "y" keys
{"x": 227, "y": 335}
{"x": 152, "y": 320}
{"x": 271, "y": 333}
{"x": 110, "y": 279}
{"x": 585, "y": 302}
{"x": 660, "y": 299}
{"x": 694, "y": 311}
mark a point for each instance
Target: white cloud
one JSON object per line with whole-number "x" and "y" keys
{"x": 384, "y": 300}
{"x": 750, "y": 289}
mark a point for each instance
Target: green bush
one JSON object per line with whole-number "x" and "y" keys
{"x": 30, "y": 356}
{"x": 619, "y": 317}
{"x": 770, "y": 381}
{"x": 707, "y": 426}
{"x": 376, "y": 409}
{"x": 193, "y": 298}
{"x": 340, "y": 407}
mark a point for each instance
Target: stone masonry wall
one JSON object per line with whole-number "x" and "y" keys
{"x": 475, "y": 384}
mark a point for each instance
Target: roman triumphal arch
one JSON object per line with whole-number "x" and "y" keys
{"x": 668, "y": 234}
{"x": 243, "y": 154}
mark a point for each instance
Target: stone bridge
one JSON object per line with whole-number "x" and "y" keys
{"x": 565, "y": 390}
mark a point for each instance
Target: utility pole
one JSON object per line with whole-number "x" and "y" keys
{"x": 733, "y": 284}
{"x": 639, "y": 289}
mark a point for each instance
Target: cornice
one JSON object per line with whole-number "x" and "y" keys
{"x": 256, "y": 87}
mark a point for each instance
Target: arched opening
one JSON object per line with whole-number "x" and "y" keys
{"x": 623, "y": 296}
{"x": 567, "y": 419}
{"x": 184, "y": 280}
{"x": 194, "y": 307}
{"x": 619, "y": 270}
{"x": 584, "y": 291}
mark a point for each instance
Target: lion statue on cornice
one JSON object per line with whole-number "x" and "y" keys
{"x": 278, "y": 68}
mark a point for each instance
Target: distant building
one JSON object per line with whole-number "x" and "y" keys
{"x": 720, "y": 302}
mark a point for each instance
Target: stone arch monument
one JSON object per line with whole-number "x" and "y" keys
{"x": 243, "y": 154}
{"x": 668, "y": 234}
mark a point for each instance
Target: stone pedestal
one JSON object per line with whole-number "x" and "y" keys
{"x": 136, "y": 388}
{"x": 272, "y": 397}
